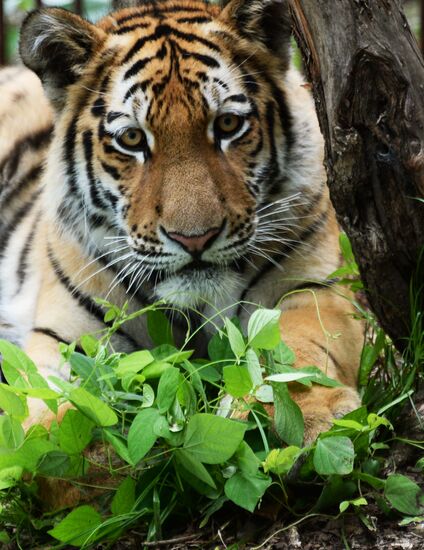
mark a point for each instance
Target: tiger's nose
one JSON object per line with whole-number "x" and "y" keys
{"x": 196, "y": 243}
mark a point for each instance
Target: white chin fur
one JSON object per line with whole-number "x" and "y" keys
{"x": 197, "y": 288}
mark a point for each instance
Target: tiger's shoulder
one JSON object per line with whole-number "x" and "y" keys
{"x": 26, "y": 124}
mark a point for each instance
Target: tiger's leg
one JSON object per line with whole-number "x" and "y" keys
{"x": 319, "y": 327}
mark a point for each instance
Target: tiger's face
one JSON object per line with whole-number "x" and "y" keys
{"x": 172, "y": 131}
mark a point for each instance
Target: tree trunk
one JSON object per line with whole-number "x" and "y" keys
{"x": 368, "y": 79}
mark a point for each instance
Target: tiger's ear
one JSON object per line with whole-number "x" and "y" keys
{"x": 56, "y": 45}
{"x": 264, "y": 21}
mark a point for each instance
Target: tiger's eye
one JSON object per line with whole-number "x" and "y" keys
{"x": 133, "y": 139}
{"x": 227, "y": 125}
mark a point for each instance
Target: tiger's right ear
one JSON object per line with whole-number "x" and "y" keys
{"x": 56, "y": 44}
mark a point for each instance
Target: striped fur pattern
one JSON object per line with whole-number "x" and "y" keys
{"x": 222, "y": 199}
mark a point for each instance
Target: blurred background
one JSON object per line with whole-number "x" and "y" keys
{"x": 13, "y": 11}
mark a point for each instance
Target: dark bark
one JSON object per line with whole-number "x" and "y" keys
{"x": 368, "y": 79}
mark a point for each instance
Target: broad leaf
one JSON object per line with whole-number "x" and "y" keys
{"x": 237, "y": 380}
{"x": 212, "y": 439}
{"x": 77, "y": 526}
{"x": 167, "y": 389}
{"x": 141, "y": 436}
{"x": 75, "y": 432}
{"x": 124, "y": 499}
{"x": 264, "y": 329}
{"x": 404, "y": 495}
{"x": 196, "y": 468}
{"x": 334, "y": 455}
{"x": 288, "y": 417}
{"x": 235, "y": 338}
{"x": 92, "y": 407}
{"x": 246, "y": 491}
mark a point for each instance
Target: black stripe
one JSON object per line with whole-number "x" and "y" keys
{"x": 239, "y": 98}
{"x": 157, "y": 11}
{"x": 137, "y": 67}
{"x": 137, "y": 86}
{"x": 18, "y": 218}
{"x": 130, "y": 28}
{"x": 194, "y": 19}
{"x": 114, "y": 115}
{"x": 111, "y": 170}
{"x": 162, "y": 31}
{"x": 87, "y": 142}
{"x": 83, "y": 300}
{"x": 33, "y": 142}
{"x": 205, "y": 59}
{"x": 23, "y": 257}
{"x": 10, "y": 193}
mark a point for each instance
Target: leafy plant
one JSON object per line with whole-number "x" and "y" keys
{"x": 157, "y": 433}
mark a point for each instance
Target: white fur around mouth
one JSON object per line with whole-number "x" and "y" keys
{"x": 198, "y": 286}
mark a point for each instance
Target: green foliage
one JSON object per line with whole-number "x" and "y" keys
{"x": 181, "y": 435}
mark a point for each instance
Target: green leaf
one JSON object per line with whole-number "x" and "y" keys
{"x": 89, "y": 344}
{"x": 404, "y": 495}
{"x": 280, "y": 461}
{"x": 159, "y": 328}
{"x": 369, "y": 356}
{"x": 141, "y": 436}
{"x": 9, "y": 476}
{"x": 12, "y": 404}
{"x": 288, "y": 417}
{"x": 134, "y": 363}
{"x": 351, "y": 424}
{"x": 356, "y": 503}
{"x": 219, "y": 348}
{"x": 124, "y": 498}
{"x": 119, "y": 445}
{"x": 237, "y": 380}
{"x": 247, "y": 462}
{"x": 75, "y": 432}
{"x": 254, "y": 368}
{"x": 38, "y": 393}
{"x": 15, "y": 361}
{"x": 318, "y": 377}
{"x": 247, "y": 491}
{"x": 287, "y": 377}
{"x": 212, "y": 439}
{"x": 235, "y": 338}
{"x": 196, "y": 468}
{"x": 148, "y": 396}
{"x": 4, "y": 537}
{"x": 92, "y": 407}
{"x": 264, "y": 394}
{"x": 334, "y": 455}
{"x": 283, "y": 354}
{"x": 75, "y": 529}
{"x": 11, "y": 433}
{"x": 53, "y": 464}
{"x": 167, "y": 389}
{"x": 264, "y": 329}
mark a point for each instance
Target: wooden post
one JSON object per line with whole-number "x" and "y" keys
{"x": 367, "y": 73}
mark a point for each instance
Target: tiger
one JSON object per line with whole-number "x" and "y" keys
{"x": 170, "y": 152}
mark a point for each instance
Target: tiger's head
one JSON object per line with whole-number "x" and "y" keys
{"x": 173, "y": 134}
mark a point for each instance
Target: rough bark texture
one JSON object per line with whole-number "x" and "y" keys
{"x": 368, "y": 79}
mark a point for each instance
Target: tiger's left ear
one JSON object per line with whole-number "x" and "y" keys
{"x": 264, "y": 21}
{"x": 56, "y": 45}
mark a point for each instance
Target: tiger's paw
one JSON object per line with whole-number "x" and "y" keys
{"x": 323, "y": 406}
